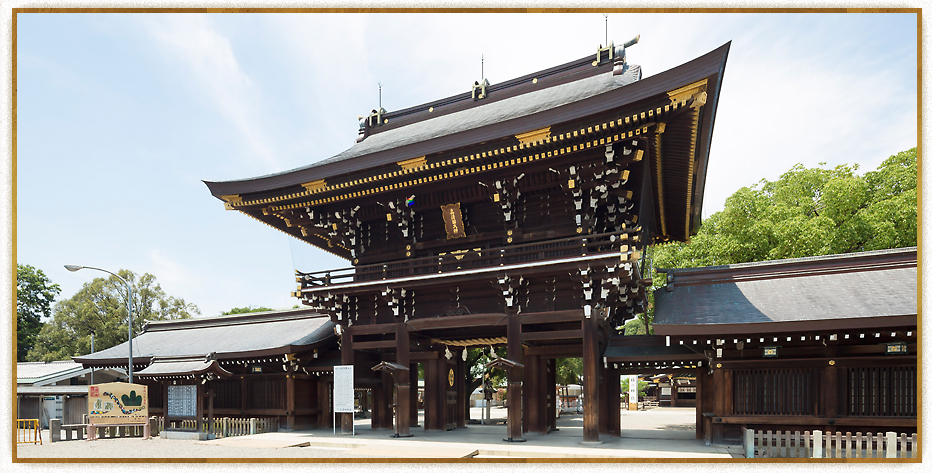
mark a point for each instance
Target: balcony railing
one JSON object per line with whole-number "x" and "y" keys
{"x": 621, "y": 243}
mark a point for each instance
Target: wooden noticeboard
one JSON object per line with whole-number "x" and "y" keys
{"x": 343, "y": 388}
{"x": 182, "y": 401}
{"x": 118, "y": 403}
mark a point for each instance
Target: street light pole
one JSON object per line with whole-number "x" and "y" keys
{"x": 129, "y": 309}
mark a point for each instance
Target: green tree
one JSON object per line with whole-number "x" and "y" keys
{"x": 247, "y": 310}
{"x": 642, "y": 387}
{"x": 100, "y": 308}
{"x": 34, "y": 296}
{"x": 569, "y": 370}
{"x": 807, "y": 212}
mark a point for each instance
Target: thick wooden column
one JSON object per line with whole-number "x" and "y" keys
{"x": 289, "y": 400}
{"x": 324, "y": 402}
{"x": 403, "y": 381}
{"x": 462, "y": 401}
{"x": 531, "y": 394}
{"x": 701, "y": 382}
{"x": 378, "y": 401}
{"x": 591, "y": 364}
{"x": 346, "y": 358}
{"x": 603, "y": 400}
{"x": 414, "y": 388}
{"x": 515, "y": 353}
{"x": 718, "y": 405}
{"x": 551, "y": 364}
{"x": 613, "y": 392}
{"x": 199, "y": 423}
{"x": 210, "y": 410}
{"x": 435, "y": 399}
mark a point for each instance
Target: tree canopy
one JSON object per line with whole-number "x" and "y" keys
{"x": 807, "y": 212}
{"x": 100, "y": 308}
{"x": 34, "y": 296}
{"x": 246, "y": 310}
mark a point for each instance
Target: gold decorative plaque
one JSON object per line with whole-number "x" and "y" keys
{"x": 453, "y": 220}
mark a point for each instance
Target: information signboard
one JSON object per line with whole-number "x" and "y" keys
{"x": 118, "y": 403}
{"x": 632, "y": 392}
{"x": 182, "y": 401}
{"x": 343, "y": 388}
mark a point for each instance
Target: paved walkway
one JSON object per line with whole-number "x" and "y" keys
{"x": 659, "y": 433}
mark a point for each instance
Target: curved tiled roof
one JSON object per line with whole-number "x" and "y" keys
{"x": 856, "y": 290}
{"x": 231, "y": 336}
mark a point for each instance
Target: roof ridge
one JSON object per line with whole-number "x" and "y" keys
{"x": 234, "y": 319}
{"x": 804, "y": 259}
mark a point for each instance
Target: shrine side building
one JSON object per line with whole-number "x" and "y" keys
{"x": 514, "y": 215}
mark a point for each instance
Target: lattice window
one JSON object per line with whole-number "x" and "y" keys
{"x": 775, "y": 392}
{"x": 882, "y": 391}
{"x": 228, "y": 394}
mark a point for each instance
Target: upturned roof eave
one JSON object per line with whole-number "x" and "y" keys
{"x": 710, "y": 64}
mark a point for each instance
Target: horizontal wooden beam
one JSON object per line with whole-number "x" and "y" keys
{"x": 373, "y": 329}
{"x": 552, "y": 335}
{"x": 456, "y": 321}
{"x": 555, "y": 351}
{"x": 374, "y": 344}
{"x": 548, "y": 317}
{"x": 813, "y": 420}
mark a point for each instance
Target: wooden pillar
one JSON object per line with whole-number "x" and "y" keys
{"x": 324, "y": 401}
{"x": 434, "y": 395}
{"x": 718, "y": 405}
{"x": 830, "y": 392}
{"x": 243, "y": 393}
{"x": 551, "y": 394}
{"x": 403, "y": 381}
{"x": 378, "y": 401}
{"x": 415, "y": 382}
{"x": 515, "y": 353}
{"x": 531, "y": 405}
{"x": 613, "y": 392}
{"x": 603, "y": 400}
{"x": 700, "y": 401}
{"x": 346, "y": 358}
{"x": 289, "y": 400}
{"x": 591, "y": 363}
{"x": 210, "y": 411}
{"x": 199, "y": 423}
{"x": 462, "y": 401}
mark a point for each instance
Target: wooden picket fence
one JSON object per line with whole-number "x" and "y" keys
{"x": 227, "y": 426}
{"x": 818, "y": 444}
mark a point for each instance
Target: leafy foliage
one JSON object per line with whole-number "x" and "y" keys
{"x": 247, "y": 310}
{"x": 34, "y": 296}
{"x": 642, "y": 387}
{"x": 100, "y": 308}
{"x": 808, "y": 212}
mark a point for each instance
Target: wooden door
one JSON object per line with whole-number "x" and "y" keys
{"x": 75, "y": 409}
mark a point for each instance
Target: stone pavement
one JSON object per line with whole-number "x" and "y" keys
{"x": 659, "y": 433}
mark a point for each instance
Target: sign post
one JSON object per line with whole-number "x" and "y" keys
{"x": 117, "y": 404}
{"x": 633, "y": 392}
{"x": 342, "y": 393}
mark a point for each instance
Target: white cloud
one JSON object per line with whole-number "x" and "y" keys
{"x": 207, "y": 55}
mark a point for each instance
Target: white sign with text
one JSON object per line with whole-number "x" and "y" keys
{"x": 343, "y": 388}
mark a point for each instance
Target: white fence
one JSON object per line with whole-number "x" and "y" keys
{"x": 818, "y": 444}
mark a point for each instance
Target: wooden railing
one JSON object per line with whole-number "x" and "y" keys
{"x": 621, "y": 242}
{"x": 818, "y": 444}
{"x": 226, "y": 426}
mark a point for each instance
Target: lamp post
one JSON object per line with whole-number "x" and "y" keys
{"x": 129, "y": 309}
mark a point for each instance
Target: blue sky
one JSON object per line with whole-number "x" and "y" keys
{"x": 120, "y": 117}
